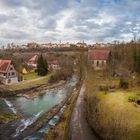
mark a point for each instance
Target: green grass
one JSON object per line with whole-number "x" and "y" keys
{"x": 27, "y": 84}
{"x": 6, "y": 117}
{"x": 31, "y": 76}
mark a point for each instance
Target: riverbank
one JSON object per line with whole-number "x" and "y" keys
{"x": 60, "y": 131}
{"x": 34, "y": 92}
{"x": 30, "y": 92}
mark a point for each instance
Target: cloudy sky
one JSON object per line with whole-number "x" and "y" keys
{"x": 69, "y": 20}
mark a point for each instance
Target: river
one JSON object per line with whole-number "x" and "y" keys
{"x": 31, "y": 110}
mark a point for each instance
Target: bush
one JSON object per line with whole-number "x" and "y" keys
{"x": 103, "y": 88}
{"x": 60, "y": 75}
{"x": 132, "y": 99}
{"x": 123, "y": 84}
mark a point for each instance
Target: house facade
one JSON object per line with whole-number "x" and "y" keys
{"x": 33, "y": 61}
{"x": 8, "y": 74}
{"x": 53, "y": 65}
{"x": 98, "y": 58}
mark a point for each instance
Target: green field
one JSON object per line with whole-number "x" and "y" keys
{"x": 31, "y": 76}
{"x": 32, "y": 82}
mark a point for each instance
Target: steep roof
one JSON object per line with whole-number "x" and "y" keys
{"x": 4, "y": 65}
{"x": 33, "y": 60}
{"x": 99, "y": 54}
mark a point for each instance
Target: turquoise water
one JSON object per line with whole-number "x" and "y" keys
{"x": 41, "y": 104}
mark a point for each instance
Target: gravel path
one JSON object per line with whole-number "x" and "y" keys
{"x": 79, "y": 129}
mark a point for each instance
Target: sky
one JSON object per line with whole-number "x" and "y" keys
{"x": 69, "y": 20}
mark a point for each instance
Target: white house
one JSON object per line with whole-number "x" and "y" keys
{"x": 8, "y": 74}
{"x": 98, "y": 58}
{"x": 53, "y": 65}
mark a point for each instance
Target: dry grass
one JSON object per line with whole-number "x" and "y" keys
{"x": 111, "y": 114}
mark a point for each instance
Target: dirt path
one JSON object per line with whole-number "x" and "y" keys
{"x": 28, "y": 81}
{"x": 79, "y": 129}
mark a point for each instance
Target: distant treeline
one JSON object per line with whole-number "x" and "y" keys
{"x": 42, "y": 49}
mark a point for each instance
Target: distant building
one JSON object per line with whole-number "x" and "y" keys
{"x": 32, "y": 45}
{"x": 33, "y": 61}
{"x": 53, "y": 65}
{"x": 98, "y": 58}
{"x": 8, "y": 74}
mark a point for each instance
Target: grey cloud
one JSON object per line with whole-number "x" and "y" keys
{"x": 89, "y": 20}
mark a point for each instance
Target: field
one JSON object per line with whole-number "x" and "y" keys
{"x": 31, "y": 82}
{"x": 117, "y": 102}
{"x": 31, "y": 76}
{"x": 118, "y": 117}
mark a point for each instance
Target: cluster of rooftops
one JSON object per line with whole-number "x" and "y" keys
{"x": 8, "y": 73}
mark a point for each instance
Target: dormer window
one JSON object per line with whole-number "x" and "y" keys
{"x": 11, "y": 68}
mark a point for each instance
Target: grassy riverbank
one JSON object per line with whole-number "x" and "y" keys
{"x": 30, "y": 83}
{"x": 60, "y": 131}
{"x": 6, "y": 117}
{"x": 111, "y": 114}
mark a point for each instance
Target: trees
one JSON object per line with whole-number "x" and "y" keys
{"x": 42, "y": 66}
{"x": 136, "y": 58}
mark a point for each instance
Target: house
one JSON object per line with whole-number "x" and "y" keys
{"x": 98, "y": 58}
{"x": 24, "y": 71}
{"x": 53, "y": 65}
{"x": 33, "y": 61}
{"x": 8, "y": 74}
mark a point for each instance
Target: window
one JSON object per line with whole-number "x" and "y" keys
{"x": 13, "y": 73}
{"x": 97, "y": 63}
{"x": 9, "y": 74}
{"x": 11, "y": 68}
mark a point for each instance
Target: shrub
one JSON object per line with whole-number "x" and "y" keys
{"x": 123, "y": 83}
{"x": 132, "y": 99}
{"x": 60, "y": 75}
{"x": 103, "y": 88}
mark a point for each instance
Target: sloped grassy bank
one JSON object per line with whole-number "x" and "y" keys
{"x": 31, "y": 92}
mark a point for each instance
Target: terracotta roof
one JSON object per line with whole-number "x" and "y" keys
{"x": 99, "y": 54}
{"x": 33, "y": 60}
{"x": 4, "y": 65}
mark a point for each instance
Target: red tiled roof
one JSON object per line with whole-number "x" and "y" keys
{"x": 99, "y": 54}
{"x": 4, "y": 65}
{"x": 33, "y": 60}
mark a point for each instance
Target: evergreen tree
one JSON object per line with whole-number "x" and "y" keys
{"x": 42, "y": 66}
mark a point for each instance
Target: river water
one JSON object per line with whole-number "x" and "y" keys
{"x": 31, "y": 110}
